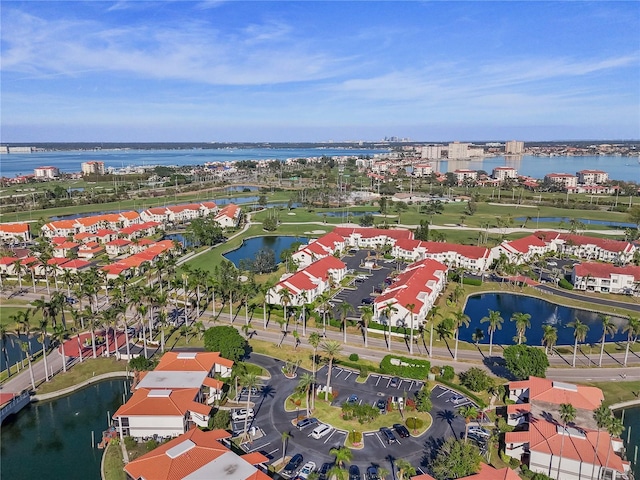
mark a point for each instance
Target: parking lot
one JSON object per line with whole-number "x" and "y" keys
{"x": 271, "y": 419}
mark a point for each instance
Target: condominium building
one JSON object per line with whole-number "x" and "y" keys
{"x": 46, "y": 173}
{"x": 591, "y": 177}
{"x": 566, "y": 180}
{"x": 432, "y": 152}
{"x": 503, "y": 173}
{"x": 92, "y": 167}
{"x": 458, "y": 150}
{"x": 514, "y": 147}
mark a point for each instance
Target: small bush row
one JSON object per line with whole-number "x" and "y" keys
{"x": 416, "y": 369}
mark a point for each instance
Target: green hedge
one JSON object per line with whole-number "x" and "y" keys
{"x": 464, "y": 390}
{"x": 355, "y": 366}
{"x": 566, "y": 284}
{"x": 417, "y": 369}
{"x": 384, "y": 328}
{"x": 472, "y": 281}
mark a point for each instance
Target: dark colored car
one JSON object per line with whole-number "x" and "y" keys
{"x": 352, "y": 399}
{"x": 306, "y": 422}
{"x": 372, "y": 473}
{"x": 324, "y": 470}
{"x": 401, "y": 430}
{"x": 382, "y": 406}
{"x": 395, "y": 382}
{"x": 367, "y": 301}
{"x": 354, "y": 473}
{"x": 293, "y": 465}
{"x": 387, "y": 434}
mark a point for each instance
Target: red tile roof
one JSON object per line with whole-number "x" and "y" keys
{"x": 185, "y": 362}
{"x": 395, "y": 233}
{"x": 146, "y": 402}
{"x": 522, "y": 244}
{"x": 605, "y": 270}
{"x": 14, "y": 227}
{"x": 603, "y": 243}
{"x": 543, "y": 389}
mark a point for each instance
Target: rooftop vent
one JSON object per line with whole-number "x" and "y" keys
{"x": 187, "y": 355}
{"x": 565, "y": 386}
{"x": 159, "y": 393}
{"x": 180, "y": 449}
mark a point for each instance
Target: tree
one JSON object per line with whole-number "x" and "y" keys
{"x": 567, "y": 415}
{"x": 422, "y": 232}
{"x": 4, "y": 336}
{"x": 523, "y": 321}
{"x": 305, "y": 385}
{"x": 249, "y": 381}
{"x": 456, "y": 459}
{"x": 140, "y": 364}
{"x": 366, "y": 315}
{"x": 410, "y": 307}
{"x": 343, "y": 456}
{"x": 226, "y": 340}
{"x": 345, "y": 310}
{"x": 388, "y": 311}
{"x": 549, "y": 337}
{"x": 633, "y": 214}
{"x": 405, "y": 469}
{"x": 284, "y": 436}
{"x": 468, "y": 412}
{"x": 460, "y": 319}
{"x": 615, "y": 427}
{"x": 632, "y": 328}
{"x": 60, "y": 335}
{"x": 602, "y": 416}
{"x": 366, "y": 220}
{"x": 524, "y": 361}
{"x": 42, "y": 338}
{"x": 579, "y": 333}
{"x": 476, "y": 379}
{"x": 314, "y": 341}
{"x": 495, "y": 323}
{"x": 608, "y": 328}
{"x": 332, "y": 349}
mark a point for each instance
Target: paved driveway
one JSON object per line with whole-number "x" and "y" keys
{"x": 272, "y": 418}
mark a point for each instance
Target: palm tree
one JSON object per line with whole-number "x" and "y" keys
{"x": 602, "y": 416}
{"x": 285, "y": 299}
{"x": 249, "y": 381}
{"x": 608, "y": 328}
{"x": 314, "y": 341}
{"x": 405, "y": 469}
{"x": 579, "y": 333}
{"x": 18, "y": 269}
{"x": 615, "y": 427}
{"x": 633, "y": 330}
{"x": 337, "y": 473}
{"x": 383, "y": 472}
{"x": 477, "y": 336}
{"x": 26, "y": 348}
{"x": 522, "y": 323}
{"x": 305, "y": 384}
{"x": 549, "y": 338}
{"x": 345, "y": 309}
{"x": 444, "y": 330}
{"x": 435, "y": 312}
{"x": 343, "y": 456}
{"x": 410, "y": 307}
{"x": 366, "y": 315}
{"x": 567, "y": 415}
{"x": 284, "y": 436}
{"x": 60, "y": 335}
{"x": 467, "y": 412}
{"x": 332, "y": 349}
{"x": 495, "y": 323}
{"x": 264, "y": 290}
{"x": 459, "y": 320}
{"x": 388, "y": 312}
{"x": 42, "y": 327}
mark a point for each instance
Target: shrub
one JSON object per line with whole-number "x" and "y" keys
{"x": 514, "y": 463}
{"x": 354, "y": 357}
{"x": 414, "y": 423}
{"x": 151, "y": 445}
{"x": 566, "y": 284}
{"x": 423, "y": 400}
{"x": 447, "y": 373}
{"x": 364, "y": 371}
{"x": 408, "y": 367}
{"x": 130, "y": 442}
{"x": 220, "y": 420}
{"x": 476, "y": 379}
{"x": 503, "y": 426}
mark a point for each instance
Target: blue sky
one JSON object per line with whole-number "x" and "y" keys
{"x": 319, "y": 71}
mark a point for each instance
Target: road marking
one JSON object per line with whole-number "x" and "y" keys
{"x": 347, "y": 377}
{"x": 330, "y": 435}
{"x": 443, "y": 393}
{"x": 399, "y": 383}
{"x": 388, "y": 383}
{"x": 262, "y": 446}
{"x": 381, "y": 442}
{"x": 378, "y": 381}
{"x": 369, "y": 434}
{"x": 411, "y": 384}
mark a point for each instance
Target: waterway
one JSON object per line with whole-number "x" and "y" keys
{"x": 252, "y": 246}
{"x": 14, "y": 350}
{"x": 542, "y": 313}
{"x": 533, "y": 219}
{"x": 631, "y": 437}
{"x": 53, "y": 439}
{"x": 618, "y": 168}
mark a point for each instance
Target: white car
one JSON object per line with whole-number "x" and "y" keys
{"x": 479, "y": 431}
{"x": 307, "y": 470}
{"x": 321, "y": 430}
{"x": 242, "y": 414}
{"x": 457, "y": 399}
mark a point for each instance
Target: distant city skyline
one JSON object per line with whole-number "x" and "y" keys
{"x": 215, "y": 71}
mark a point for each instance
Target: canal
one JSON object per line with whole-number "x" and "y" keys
{"x": 251, "y": 246}
{"x": 53, "y": 439}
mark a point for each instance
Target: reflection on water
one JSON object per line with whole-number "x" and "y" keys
{"x": 252, "y": 246}
{"x": 53, "y": 439}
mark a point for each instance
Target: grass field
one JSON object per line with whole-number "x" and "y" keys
{"x": 81, "y": 372}
{"x": 113, "y": 463}
{"x": 615, "y": 392}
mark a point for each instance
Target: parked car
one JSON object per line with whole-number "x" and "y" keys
{"x": 245, "y": 391}
{"x": 382, "y": 406}
{"x": 401, "y": 430}
{"x": 293, "y": 465}
{"x": 321, "y": 430}
{"x": 354, "y": 473}
{"x": 352, "y": 399}
{"x": 307, "y": 470}
{"x": 456, "y": 399}
{"x": 395, "y": 382}
{"x": 481, "y": 432}
{"x": 324, "y": 470}
{"x": 387, "y": 434}
{"x": 241, "y": 414}
{"x": 552, "y": 264}
{"x": 367, "y": 301}
{"x": 306, "y": 422}
{"x": 372, "y": 473}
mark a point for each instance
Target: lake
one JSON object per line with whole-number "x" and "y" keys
{"x": 53, "y": 439}
{"x": 542, "y": 313}
{"x": 566, "y": 220}
{"x": 14, "y": 352}
{"x": 632, "y": 437}
{"x": 252, "y": 246}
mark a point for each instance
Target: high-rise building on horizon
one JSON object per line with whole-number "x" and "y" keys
{"x": 514, "y": 147}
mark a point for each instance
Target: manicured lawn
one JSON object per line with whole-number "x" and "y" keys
{"x": 113, "y": 463}
{"x": 615, "y": 392}
{"x": 333, "y": 416}
{"x": 81, "y": 372}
